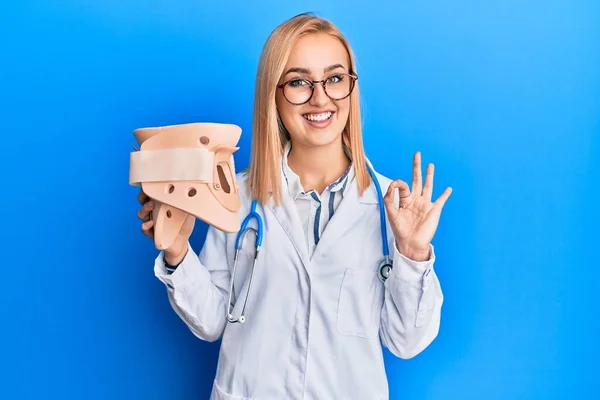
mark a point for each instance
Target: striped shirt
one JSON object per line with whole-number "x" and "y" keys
{"x": 315, "y": 210}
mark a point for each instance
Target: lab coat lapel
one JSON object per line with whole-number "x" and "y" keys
{"x": 287, "y": 216}
{"x": 349, "y": 212}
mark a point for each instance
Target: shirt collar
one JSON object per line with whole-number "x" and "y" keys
{"x": 295, "y": 186}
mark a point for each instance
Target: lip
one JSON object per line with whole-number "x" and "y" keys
{"x": 318, "y": 124}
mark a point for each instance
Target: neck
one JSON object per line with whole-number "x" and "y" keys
{"x": 319, "y": 166}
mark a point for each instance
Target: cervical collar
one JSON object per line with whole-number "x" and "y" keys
{"x": 187, "y": 169}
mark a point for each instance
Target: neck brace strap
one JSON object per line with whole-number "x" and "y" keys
{"x": 191, "y": 164}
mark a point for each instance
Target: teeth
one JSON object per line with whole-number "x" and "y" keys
{"x": 318, "y": 117}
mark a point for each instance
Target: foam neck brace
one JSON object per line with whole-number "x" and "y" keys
{"x": 189, "y": 171}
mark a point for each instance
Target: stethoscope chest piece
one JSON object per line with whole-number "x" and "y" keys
{"x": 384, "y": 269}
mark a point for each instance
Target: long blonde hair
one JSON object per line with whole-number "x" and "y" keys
{"x": 269, "y": 137}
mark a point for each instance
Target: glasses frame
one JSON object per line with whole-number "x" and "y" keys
{"x": 312, "y": 84}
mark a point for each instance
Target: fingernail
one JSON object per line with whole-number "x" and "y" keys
{"x": 150, "y": 204}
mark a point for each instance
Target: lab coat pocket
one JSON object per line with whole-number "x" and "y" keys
{"x": 358, "y": 304}
{"x": 219, "y": 394}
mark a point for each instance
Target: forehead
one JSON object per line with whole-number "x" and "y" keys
{"x": 316, "y": 51}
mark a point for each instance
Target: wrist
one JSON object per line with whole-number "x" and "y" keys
{"x": 174, "y": 258}
{"x": 413, "y": 253}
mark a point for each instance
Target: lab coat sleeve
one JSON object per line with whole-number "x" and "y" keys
{"x": 410, "y": 318}
{"x": 197, "y": 289}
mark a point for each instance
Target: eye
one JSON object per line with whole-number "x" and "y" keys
{"x": 298, "y": 83}
{"x": 335, "y": 79}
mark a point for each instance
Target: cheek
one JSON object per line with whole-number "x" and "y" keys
{"x": 285, "y": 109}
{"x": 288, "y": 117}
{"x": 285, "y": 112}
{"x": 343, "y": 110}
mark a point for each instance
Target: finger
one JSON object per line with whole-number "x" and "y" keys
{"x": 144, "y": 212}
{"x": 142, "y": 197}
{"x": 389, "y": 194}
{"x": 439, "y": 203}
{"x": 417, "y": 176}
{"x": 388, "y": 201}
{"x": 428, "y": 187}
{"x": 147, "y": 228}
{"x": 404, "y": 194}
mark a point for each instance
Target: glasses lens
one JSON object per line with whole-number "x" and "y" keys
{"x": 297, "y": 91}
{"x": 339, "y": 86}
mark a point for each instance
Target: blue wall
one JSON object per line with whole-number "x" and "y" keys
{"x": 504, "y": 96}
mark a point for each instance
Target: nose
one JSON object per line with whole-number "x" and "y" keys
{"x": 319, "y": 97}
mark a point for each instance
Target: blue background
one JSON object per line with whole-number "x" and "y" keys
{"x": 504, "y": 96}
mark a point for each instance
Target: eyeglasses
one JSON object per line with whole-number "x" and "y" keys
{"x": 338, "y": 86}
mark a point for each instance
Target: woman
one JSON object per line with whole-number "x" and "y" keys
{"x": 316, "y": 315}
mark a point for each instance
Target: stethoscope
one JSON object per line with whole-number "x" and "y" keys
{"x": 383, "y": 271}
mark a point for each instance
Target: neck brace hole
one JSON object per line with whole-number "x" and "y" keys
{"x": 223, "y": 179}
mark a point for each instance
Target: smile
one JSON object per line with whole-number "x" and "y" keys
{"x": 318, "y": 117}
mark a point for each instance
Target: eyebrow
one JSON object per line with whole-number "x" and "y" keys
{"x": 307, "y": 71}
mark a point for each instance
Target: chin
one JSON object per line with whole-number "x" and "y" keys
{"x": 322, "y": 136}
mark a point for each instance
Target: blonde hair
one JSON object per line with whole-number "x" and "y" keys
{"x": 269, "y": 136}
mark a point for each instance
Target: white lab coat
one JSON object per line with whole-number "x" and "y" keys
{"x": 314, "y": 325}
